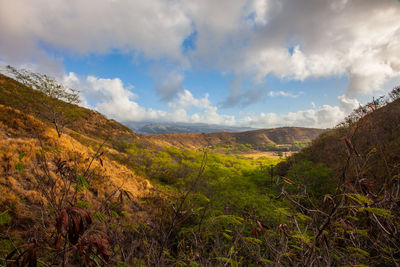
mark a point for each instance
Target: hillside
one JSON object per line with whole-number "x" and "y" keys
{"x": 263, "y": 140}
{"x": 93, "y": 124}
{"x": 167, "y": 128}
{"x": 33, "y": 102}
{"x": 375, "y": 137}
{"x": 354, "y": 170}
{"x": 96, "y": 194}
{"x": 83, "y": 197}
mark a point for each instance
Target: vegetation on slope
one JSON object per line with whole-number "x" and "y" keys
{"x": 78, "y": 200}
{"x": 51, "y": 183}
{"x": 278, "y": 139}
{"x": 88, "y": 122}
{"x": 355, "y": 203}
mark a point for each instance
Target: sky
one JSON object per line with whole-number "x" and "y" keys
{"x": 248, "y": 63}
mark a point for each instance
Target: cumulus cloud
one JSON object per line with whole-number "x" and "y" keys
{"x": 290, "y": 39}
{"x": 251, "y": 39}
{"x": 112, "y": 98}
{"x": 153, "y": 28}
{"x": 335, "y": 40}
{"x": 305, "y": 39}
{"x": 208, "y": 113}
{"x": 325, "y": 116}
{"x": 185, "y": 100}
{"x": 348, "y": 104}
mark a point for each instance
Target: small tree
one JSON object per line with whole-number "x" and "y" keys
{"x": 395, "y": 93}
{"x": 60, "y": 96}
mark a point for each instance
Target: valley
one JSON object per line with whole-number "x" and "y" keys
{"x": 93, "y": 192}
{"x": 285, "y": 139}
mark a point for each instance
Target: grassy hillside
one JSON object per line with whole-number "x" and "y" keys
{"x": 349, "y": 176}
{"x": 99, "y": 195}
{"x": 83, "y": 198}
{"x": 85, "y": 121}
{"x": 285, "y": 139}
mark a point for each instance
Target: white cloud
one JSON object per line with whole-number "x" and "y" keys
{"x": 282, "y": 94}
{"x": 348, "y": 104}
{"x": 185, "y": 100}
{"x": 251, "y": 39}
{"x": 155, "y": 28}
{"x": 355, "y": 38}
{"x": 325, "y": 116}
{"x": 208, "y": 113}
{"x": 359, "y": 38}
{"x": 260, "y": 9}
{"x": 303, "y": 39}
{"x": 112, "y": 98}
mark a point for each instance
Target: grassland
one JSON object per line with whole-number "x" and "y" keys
{"x": 101, "y": 195}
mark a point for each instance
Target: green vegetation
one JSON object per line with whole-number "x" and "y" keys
{"x": 283, "y": 139}
{"x": 82, "y": 199}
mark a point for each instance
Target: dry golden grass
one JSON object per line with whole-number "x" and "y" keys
{"x": 24, "y": 141}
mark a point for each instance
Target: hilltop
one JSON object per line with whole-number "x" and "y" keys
{"x": 284, "y": 139}
{"x": 97, "y": 126}
{"x": 167, "y": 128}
{"x": 96, "y": 193}
{"x": 33, "y": 102}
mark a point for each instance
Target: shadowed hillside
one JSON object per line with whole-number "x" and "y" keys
{"x": 348, "y": 182}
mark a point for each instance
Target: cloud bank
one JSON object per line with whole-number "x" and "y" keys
{"x": 112, "y": 98}
{"x": 290, "y": 39}
{"x": 249, "y": 39}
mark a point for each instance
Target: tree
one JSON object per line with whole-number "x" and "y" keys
{"x": 395, "y": 93}
{"x": 60, "y": 96}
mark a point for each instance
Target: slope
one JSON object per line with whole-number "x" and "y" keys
{"x": 265, "y": 139}
{"x": 16, "y": 95}
{"x": 43, "y": 176}
{"x": 348, "y": 183}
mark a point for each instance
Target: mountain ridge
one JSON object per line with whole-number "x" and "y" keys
{"x": 176, "y": 127}
{"x": 260, "y": 139}
{"x": 84, "y": 195}
{"x": 92, "y": 123}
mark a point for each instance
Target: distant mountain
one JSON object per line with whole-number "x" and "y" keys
{"x": 167, "y": 128}
{"x": 340, "y": 196}
{"x": 277, "y": 139}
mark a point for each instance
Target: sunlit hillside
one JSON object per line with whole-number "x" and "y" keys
{"x": 277, "y": 139}
{"x": 85, "y": 190}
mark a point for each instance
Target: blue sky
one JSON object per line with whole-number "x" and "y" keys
{"x": 253, "y": 63}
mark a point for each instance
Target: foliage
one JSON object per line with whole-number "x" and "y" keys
{"x": 45, "y": 84}
{"x": 4, "y": 218}
{"x": 353, "y": 217}
{"x": 314, "y": 179}
{"x": 334, "y": 203}
{"x": 56, "y": 106}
